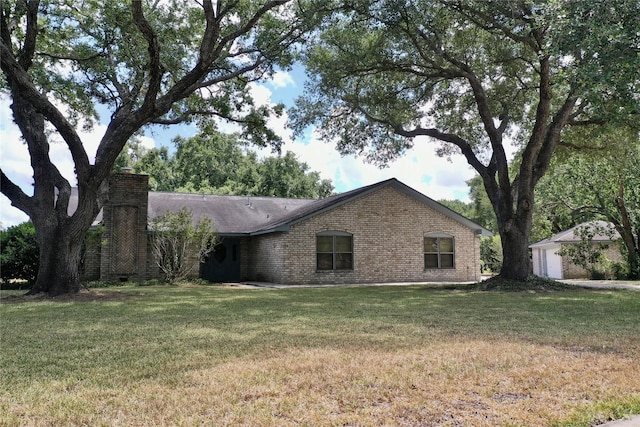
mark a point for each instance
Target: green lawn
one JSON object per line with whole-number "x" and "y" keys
{"x": 416, "y": 355}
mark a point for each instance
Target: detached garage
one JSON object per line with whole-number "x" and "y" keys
{"x": 548, "y": 263}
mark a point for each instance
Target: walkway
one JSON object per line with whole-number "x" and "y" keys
{"x": 604, "y": 284}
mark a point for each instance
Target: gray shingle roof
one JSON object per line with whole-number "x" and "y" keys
{"x": 572, "y": 235}
{"x": 248, "y": 215}
{"x": 230, "y": 214}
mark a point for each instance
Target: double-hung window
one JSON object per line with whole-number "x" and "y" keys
{"x": 334, "y": 250}
{"x": 439, "y": 251}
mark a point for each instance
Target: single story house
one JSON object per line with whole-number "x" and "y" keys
{"x": 548, "y": 263}
{"x": 385, "y": 232}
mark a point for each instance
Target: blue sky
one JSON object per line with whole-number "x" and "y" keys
{"x": 419, "y": 168}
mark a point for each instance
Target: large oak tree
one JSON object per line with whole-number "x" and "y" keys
{"x": 473, "y": 75}
{"x": 147, "y": 62}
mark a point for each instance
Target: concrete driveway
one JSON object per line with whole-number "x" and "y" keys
{"x": 632, "y": 421}
{"x": 604, "y": 284}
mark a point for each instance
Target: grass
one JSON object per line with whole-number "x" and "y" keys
{"x": 417, "y": 355}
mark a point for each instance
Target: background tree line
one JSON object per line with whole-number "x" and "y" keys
{"x": 215, "y": 163}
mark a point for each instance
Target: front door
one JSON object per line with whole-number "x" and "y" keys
{"x": 223, "y": 264}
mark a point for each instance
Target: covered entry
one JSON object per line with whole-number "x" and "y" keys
{"x": 223, "y": 264}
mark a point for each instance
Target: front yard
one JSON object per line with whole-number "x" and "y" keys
{"x": 414, "y": 356}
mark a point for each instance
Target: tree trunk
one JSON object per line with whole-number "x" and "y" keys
{"x": 515, "y": 230}
{"x": 625, "y": 229}
{"x": 516, "y": 264}
{"x": 60, "y": 255}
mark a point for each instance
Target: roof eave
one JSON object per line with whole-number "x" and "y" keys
{"x": 279, "y": 229}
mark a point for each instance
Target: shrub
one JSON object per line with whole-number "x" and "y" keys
{"x": 175, "y": 237}
{"x": 19, "y": 256}
{"x": 491, "y": 254}
{"x": 620, "y": 270}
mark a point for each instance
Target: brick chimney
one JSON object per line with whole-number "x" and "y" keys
{"x": 124, "y": 247}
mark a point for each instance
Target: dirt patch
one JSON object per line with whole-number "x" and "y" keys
{"x": 531, "y": 284}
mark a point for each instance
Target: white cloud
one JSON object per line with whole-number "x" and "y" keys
{"x": 282, "y": 79}
{"x": 146, "y": 142}
{"x": 15, "y": 161}
{"x": 420, "y": 167}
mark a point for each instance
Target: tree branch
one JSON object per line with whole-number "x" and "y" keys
{"x": 25, "y": 58}
{"x": 552, "y": 137}
{"x": 461, "y": 143}
{"x": 153, "y": 48}
{"x": 490, "y": 23}
{"x": 14, "y": 193}
{"x": 186, "y": 115}
{"x": 20, "y": 82}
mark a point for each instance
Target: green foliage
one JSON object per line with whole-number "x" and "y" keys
{"x": 285, "y": 176}
{"x": 491, "y": 254}
{"x": 594, "y": 35}
{"x": 602, "y": 166}
{"x": 589, "y": 254}
{"x": 482, "y": 210}
{"x": 19, "y": 256}
{"x": 211, "y": 162}
{"x": 110, "y": 56}
{"x": 479, "y": 210}
{"x": 174, "y": 236}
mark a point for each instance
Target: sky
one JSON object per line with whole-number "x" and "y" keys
{"x": 420, "y": 167}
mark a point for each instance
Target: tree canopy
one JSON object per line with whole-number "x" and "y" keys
{"x": 215, "y": 163}
{"x": 597, "y": 178}
{"x": 146, "y": 62}
{"x": 473, "y": 75}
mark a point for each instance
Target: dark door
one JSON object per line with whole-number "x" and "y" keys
{"x": 223, "y": 264}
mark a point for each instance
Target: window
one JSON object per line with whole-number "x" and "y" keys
{"x": 334, "y": 250}
{"x": 438, "y": 251}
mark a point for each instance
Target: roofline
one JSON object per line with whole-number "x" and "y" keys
{"x": 564, "y": 237}
{"x": 442, "y": 208}
{"x": 279, "y": 229}
{"x": 564, "y": 242}
{"x": 363, "y": 191}
{"x": 232, "y": 234}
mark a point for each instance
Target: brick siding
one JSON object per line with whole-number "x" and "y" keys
{"x": 388, "y": 229}
{"x": 573, "y": 271}
{"x": 124, "y": 251}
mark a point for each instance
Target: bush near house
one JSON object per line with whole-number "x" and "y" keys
{"x": 19, "y": 256}
{"x": 174, "y": 238}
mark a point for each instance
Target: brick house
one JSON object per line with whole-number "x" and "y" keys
{"x": 385, "y": 232}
